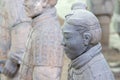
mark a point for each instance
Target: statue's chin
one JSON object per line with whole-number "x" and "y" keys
{"x": 70, "y": 54}
{"x": 67, "y": 50}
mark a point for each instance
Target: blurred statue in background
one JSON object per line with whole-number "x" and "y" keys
{"x": 4, "y": 33}
{"x": 82, "y": 34}
{"x": 19, "y": 25}
{"x": 43, "y": 57}
{"x": 5, "y": 41}
{"x": 117, "y": 16}
{"x": 103, "y": 9}
{"x": 115, "y": 27}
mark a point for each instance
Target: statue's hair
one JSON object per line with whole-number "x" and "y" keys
{"x": 87, "y": 22}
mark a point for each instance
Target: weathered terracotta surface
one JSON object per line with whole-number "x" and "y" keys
{"x": 43, "y": 52}
{"x": 81, "y": 41}
{"x": 19, "y": 25}
{"x": 43, "y": 55}
{"x": 4, "y": 32}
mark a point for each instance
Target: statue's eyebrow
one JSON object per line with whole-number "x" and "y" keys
{"x": 80, "y": 27}
{"x": 66, "y": 32}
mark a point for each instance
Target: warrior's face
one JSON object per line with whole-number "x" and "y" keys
{"x": 33, "y": 7}
{"x": 73, "y": 40}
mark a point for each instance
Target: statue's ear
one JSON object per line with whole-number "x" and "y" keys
{"x": 87, "y": 38}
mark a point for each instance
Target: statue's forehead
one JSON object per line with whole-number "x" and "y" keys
{"x": 67, "y": 28}
{"x": 71, "y": 28}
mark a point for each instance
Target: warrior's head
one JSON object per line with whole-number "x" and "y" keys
{"x": 35, "y": 8}
{"x": 81, "y": 31}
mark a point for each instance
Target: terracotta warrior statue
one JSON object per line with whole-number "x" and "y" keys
{"x": 42, "y": 59}
{"x": 117, "y": 16}
{"x": 103, "y": 9}
{"x": 5, "y": 41}
{"x": 82, "y": 34}
{"x": 4, "y": 33}
{"x": 19, "y": 25}
{"x": 115, "y": 27}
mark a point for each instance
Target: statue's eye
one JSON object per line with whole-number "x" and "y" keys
{"x": 67, "y": 37}
{"x": 68, "y": 16}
